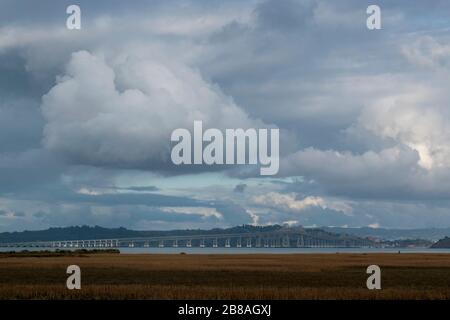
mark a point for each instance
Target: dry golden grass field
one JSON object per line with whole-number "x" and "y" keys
{"x": 256, "y": 276}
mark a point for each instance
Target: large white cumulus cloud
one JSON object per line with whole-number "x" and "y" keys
{"x": 416, "y": 120}
{"x": 122, "y": 112}
{"x": 413, "y": 160}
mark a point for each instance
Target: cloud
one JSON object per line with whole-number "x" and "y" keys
{"x": 91, "y": 121}
{"x": 428, "y": 52}
{"x": 233, "y": 213}
{"x": 12, "y": 214}
{"x": 344, "y": 173}
{"x": 289, "y": 202}
{"x": 415, "y": 119}
{"x": 137, "y": 217}
{"x": 202, "y": 211}
{"x": 363, "y": 115}
{"x": 140, "y": 188}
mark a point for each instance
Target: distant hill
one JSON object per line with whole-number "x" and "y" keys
{"x": 408, "y": 243}
{"x": 431, "y": 234}
{"x": 442, "y": 244}
{"x": 92, "y": 233}
{"x": 96, "y": 232}
{"x": 87, "y": 232}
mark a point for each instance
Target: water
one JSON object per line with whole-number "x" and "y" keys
{"x": 197, "y": 250}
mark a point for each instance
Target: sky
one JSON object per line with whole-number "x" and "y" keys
{"x": 86, "y": 115}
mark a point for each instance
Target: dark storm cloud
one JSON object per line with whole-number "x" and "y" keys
{"x": 291, "y": 80}
{"x": 302, "y": 79}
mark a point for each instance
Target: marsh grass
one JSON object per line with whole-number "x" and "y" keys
{"x": 301, "y": 276}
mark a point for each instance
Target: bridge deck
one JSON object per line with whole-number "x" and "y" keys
{"x": 261, "y": 239}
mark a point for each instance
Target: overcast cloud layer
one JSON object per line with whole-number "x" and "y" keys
{"x": 86, "y": 115}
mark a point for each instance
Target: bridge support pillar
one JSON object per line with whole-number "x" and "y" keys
{"x": 285, "y": 242}
{"x": 273, "y": 243}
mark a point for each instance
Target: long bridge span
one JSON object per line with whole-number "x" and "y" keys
{"x": 276, "y": 239}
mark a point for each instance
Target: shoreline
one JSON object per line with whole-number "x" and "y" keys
{"x": 228, "y": 251}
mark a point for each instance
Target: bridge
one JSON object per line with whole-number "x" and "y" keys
{"x": 275, "y": 239}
